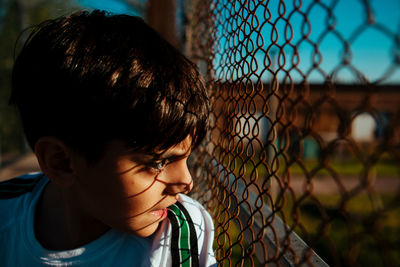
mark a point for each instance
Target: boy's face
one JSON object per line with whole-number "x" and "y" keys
{"x": 130, "y": 192}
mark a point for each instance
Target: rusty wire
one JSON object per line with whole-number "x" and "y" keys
{"x": 268, "y": 108}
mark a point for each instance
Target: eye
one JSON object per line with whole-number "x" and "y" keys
{"x": 158, "y": 165}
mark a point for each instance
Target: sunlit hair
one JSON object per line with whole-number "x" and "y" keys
{"x": 91, "y": 77}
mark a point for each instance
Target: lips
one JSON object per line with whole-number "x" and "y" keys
{"x": 160, "y": 213}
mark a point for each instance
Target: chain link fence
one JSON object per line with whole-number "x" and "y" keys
{"x": 301, "y": 165}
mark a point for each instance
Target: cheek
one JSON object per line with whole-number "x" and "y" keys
{"x": 141, "y": 192}
{"x": 124, "y": 194}
{"x": 136, "y": 185}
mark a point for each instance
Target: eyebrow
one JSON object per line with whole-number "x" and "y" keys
{"x": 170, "y": 157}
{"x": 173, "y": 157}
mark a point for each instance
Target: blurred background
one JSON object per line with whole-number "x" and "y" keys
{"x": 301, "y": 165}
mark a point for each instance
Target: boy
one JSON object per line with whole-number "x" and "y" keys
{"x": 112, "y": 113}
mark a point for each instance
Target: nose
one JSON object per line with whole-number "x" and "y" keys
{"x": 177, "y": 178}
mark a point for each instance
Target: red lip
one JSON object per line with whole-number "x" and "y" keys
{"x": 160, "y": 213}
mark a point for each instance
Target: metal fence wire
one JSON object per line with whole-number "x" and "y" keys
{"x": 301, "y": 165}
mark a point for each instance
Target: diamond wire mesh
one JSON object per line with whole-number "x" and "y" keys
{"x": 312, "y": 137}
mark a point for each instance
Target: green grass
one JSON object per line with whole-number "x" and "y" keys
{"x": 355, "y": 233}
{"x": 349, "y": 167}
{"x": 361, "y": 231}
{"x": 383, "y": 168}
{"x": 232, "y": 248}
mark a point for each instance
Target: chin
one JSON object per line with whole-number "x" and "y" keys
{"x": 146, "y": 231}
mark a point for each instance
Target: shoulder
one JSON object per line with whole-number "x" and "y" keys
{"x": 14, "y": 197}
{"x": 18, "y": 186}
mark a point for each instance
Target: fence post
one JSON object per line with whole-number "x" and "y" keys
{"x": 161, "y": 15}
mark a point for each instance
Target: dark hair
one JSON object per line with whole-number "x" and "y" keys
{"x": 91, "y": 77}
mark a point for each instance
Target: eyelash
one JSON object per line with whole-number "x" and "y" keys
{"x": 158, "y": 166}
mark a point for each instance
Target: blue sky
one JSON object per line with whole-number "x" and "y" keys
{"x": 115, "y": 6}
{"x": 371, "y": 51}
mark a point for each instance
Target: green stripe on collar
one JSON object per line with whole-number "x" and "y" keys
{"x": 184, "y": 239}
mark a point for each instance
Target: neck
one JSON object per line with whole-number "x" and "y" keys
{"x": 60, "y": 224}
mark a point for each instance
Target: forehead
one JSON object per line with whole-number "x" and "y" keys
{"x": 182, "y": 148}
{"x": 117, "y": 148}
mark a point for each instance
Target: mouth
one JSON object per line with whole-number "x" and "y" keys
{"x": 161, "y": 214}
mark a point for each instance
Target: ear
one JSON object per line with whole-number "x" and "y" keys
{"x": 55, "y": 160}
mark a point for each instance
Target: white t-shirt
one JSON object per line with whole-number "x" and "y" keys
{"x": 19, "y": 247}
